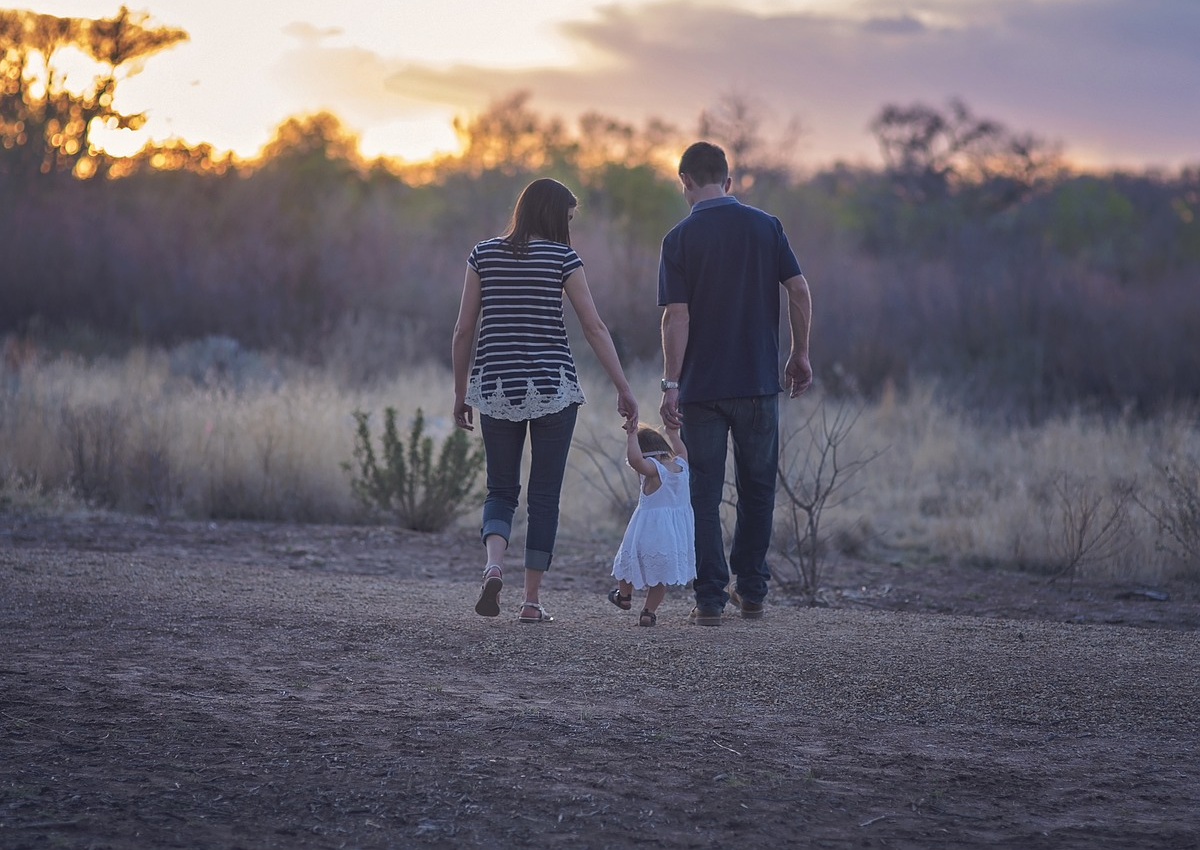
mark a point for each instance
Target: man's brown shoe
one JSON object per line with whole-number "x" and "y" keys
{"x": 705, "y": 617}
{"x": 752, "y": 610}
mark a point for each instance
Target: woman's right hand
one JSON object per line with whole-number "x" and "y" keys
{"x": 627, "y": 405}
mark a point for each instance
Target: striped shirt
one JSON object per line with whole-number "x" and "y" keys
{"x": 523, "y": 366}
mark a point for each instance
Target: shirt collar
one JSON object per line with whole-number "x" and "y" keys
{"x": 714, "y": 202}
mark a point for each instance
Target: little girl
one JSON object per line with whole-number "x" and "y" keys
{"x": 659, "y": 547}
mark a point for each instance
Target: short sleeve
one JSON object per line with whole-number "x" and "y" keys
{"x": 672, "y": 285}
{"x": 789, "y": 266}
{"x": 571, "y": 261}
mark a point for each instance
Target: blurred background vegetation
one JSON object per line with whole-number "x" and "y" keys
{"x": 973, "y": 271}
{"x": 974, "y": 255}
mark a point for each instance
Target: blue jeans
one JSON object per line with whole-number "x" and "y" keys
{"x": 504, "y": 446}
{"x": 753, "y": 422}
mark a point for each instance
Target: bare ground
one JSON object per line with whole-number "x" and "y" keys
{"x": 175, "y": 684}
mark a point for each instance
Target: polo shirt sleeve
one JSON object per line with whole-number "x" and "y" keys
{"x": 789, "y": 266}
{"x": 672, "y": 287}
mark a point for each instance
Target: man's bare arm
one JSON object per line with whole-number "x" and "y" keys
{"x": 675, "y": 322}
{"x": 798, "y": 372}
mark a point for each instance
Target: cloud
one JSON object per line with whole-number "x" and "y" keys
{"x": 350, "y": 81}
{"x": 898, "y": 25}
{"x": 1111, "y": 80}
{"x": 308, "y": 33}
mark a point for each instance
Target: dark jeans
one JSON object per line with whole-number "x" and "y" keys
{"x": 753, "y": 422}
{"x": 504, "y": 446}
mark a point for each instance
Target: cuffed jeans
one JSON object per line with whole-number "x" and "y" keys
{"x": 753, "y": 423}
{"x": 504, "y": 446}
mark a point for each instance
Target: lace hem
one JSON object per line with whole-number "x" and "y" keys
{"x": 672, "y": 568}
{"x": 533, "y": 406}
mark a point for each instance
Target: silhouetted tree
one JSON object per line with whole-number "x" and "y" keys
{"x": 44, "y": 126}
{"x": 929, "y": 153}
{"x": 510, "y": 137}
{"x": 604, "y": 140}
{"x": 312, "y": 145}
{"x": 735, "y": 122}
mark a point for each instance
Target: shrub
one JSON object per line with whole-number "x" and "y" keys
{"x": 1178, "y": 513}
{"x": 404, "y": 481}
{"x": 814, "y": 475}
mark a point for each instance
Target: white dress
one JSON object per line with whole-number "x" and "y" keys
{"x": 659, "y": 546}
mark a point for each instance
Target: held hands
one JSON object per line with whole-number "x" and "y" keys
{"x": 627, "y": 406}
{"x": 669, "y": 410}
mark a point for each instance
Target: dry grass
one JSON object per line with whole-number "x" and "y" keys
{"x": 142, "y": 434}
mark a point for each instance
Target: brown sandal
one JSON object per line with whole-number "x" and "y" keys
{"x": 647, "y": 618}
{"x": 623, "y": 602}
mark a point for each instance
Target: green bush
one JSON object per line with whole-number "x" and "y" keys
{"x": 405, "y": 482}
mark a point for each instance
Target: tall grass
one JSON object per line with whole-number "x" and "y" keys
{"x": 143, "y": 434}
{"x": 266, "y": 440}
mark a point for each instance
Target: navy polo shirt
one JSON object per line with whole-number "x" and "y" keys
{"x": 726, "y": 261}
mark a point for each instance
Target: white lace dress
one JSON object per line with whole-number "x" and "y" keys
{"x": 660, "y": 543}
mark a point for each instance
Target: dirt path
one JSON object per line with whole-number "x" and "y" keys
{"x": 186, "y": 685}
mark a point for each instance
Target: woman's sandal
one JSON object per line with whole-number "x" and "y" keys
{"x": 647, "y": 618}
{"x": 623, "y": 602}
{"x": 489, "y": 595}
{"x": 541, "y": 617}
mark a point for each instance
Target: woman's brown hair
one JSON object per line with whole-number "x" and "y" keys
{"x": 541, "y": 211}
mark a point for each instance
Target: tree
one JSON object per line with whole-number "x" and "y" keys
{"x": 735, "y": 122}
{"x": 312, "y": 146}
{"x": 45, "y": 127}
{"x": 604, "y": 141}
{"x": 930, "y": 153}
{"x": 511, "y": 138}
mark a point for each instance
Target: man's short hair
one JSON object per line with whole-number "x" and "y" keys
{"x": 705, "y": 163}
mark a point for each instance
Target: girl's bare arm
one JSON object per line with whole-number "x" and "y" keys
{"x": 633, "y": 453}
{"x": 676, "y": 442}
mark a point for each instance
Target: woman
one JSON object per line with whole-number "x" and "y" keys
{"x": 523, "y": 378}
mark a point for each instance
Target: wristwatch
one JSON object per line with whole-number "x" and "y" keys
{"x": 668, "y": 385}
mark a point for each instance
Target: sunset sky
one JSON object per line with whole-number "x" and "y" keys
{"x": 1115, "y": 82}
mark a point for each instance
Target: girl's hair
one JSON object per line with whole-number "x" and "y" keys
{"x": 541, "y": 210}
{"x": 652, "y": 442}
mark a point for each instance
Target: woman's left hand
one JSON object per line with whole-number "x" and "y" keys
{"x": 464, "y": 416}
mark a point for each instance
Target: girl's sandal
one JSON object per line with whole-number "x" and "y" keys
{"x": 647, "y": 618}
{"x": 540, "y": 617}
{"x": 489, "y": 595}
{"x": 623, "y": 602}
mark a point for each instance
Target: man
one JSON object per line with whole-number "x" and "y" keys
{"x": 719, "y": 279}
